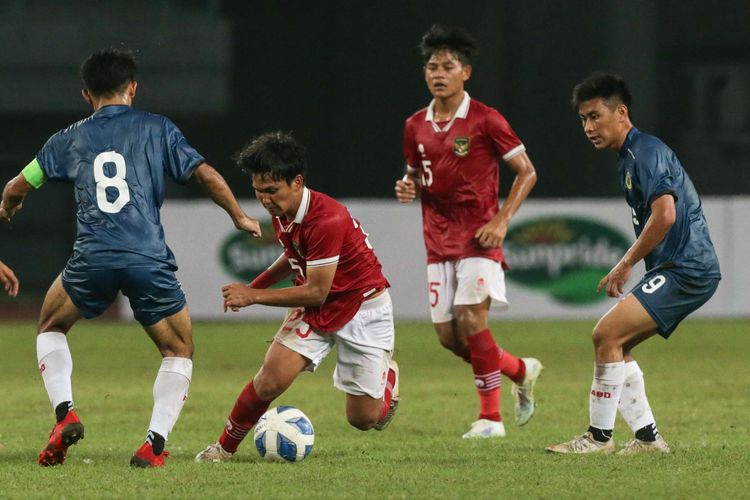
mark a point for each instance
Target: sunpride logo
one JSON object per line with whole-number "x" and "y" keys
{"x": 563, "y": 256}
{"x": 245, "y": 257}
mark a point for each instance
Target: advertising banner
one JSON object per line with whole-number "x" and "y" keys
{"x": 558, "y": 251}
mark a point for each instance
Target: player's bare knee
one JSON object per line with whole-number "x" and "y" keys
{"x": 268, "y": 387}
{"x": 604, "y": 338}
{"x": 598, "y": 336}
{"x": 466, "y": 318}
{"x": 184, "y": 350}
{"x": 361, "y": 421}
{"x": 176, "y": 347}
{"x": 468, "y": 322}
{"x": 51, "y": 326}
{"x": 53, "y": 323}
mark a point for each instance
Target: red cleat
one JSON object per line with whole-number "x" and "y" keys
{"x": 65, "y": 433}
{"x": 145, "y": 457}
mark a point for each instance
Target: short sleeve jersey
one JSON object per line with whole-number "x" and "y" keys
{"x": 458, "y": 163}
{"x": 649, "y": 169}
{"x": 324, "y": 233}
{"x": 118, "y": 159}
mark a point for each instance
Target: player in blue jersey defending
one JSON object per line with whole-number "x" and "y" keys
{"x": 118, "y": 160}
{"x": 682, "y": 270}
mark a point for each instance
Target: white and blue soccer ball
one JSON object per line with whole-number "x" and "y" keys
{"x": 284, "y": 434}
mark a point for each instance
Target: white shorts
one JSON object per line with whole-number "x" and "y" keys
{"x": 363, "y": 346}
{"x": 464, "y": 282}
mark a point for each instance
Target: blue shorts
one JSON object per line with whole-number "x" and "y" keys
{"x": 154, "y": 293}
{"x": 670, "y": 295}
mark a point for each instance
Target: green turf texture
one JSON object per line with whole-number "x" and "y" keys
{"x": 697, "y": 383}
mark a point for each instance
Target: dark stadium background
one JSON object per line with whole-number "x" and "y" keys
{"x": 343, "y": 76}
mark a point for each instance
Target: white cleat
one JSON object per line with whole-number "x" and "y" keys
{"x": 583, "y": 444}
{"x": 524, "y": 393}
{"x": 382, "y": 424}
{"x": 484, "y": 428}
{"x": 214, "y": 453}
{"x": 636, "y": 446}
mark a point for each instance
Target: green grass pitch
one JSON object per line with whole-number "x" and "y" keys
{"x": 697, "y": 383}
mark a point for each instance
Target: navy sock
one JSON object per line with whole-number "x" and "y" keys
{"x": 61, "y": 410}
{"x": 157, "y": 442}
{"x": 601, "y": 435}
{"x": 648, "y": 433}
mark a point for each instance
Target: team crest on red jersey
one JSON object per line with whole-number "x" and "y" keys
{"x": 461, "y": 146}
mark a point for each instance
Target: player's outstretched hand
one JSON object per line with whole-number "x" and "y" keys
{"x": 236, "y": 295}
{"x": 615, "y": 280}
{"x": 406, "y": 189}
{"x": 9, "y": 280}
{"x": 249, "y": 225}
{"x": 7, "y": 215}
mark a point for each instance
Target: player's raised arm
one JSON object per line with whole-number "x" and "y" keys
{"x": 218, "y": 189}
{"x": 9, "y": 280}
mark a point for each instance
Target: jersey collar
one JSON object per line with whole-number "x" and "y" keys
{"x": 111, "y": 109}
{"x": 304, "y": 206}
{"x": 629, "y": 140}
{"x": 462, "y": 112}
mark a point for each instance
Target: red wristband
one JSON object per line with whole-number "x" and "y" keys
{"x": 263, "y": 280}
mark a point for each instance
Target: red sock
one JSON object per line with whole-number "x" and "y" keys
{"x": 486, "y": 366}
{"x": 247, "y": 410}
{"x": 514, "y": 368}
{"x": 466, "y": 356}
{"x": 388, "y": 393}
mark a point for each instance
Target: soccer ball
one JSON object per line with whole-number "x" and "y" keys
{"x": 284, "y": 434}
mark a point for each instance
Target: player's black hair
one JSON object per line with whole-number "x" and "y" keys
{"x": 453, "y": 39}
{"x": 108, "y": 71}
{"x": 612, "y": 88}
{"x": 276, "y": 154}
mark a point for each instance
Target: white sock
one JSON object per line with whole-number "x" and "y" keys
{"x": 170, "y": 393}
{"x": 56, "y": 366}
{"x": 633, "y": 405}
{"x": 605, "y": 394}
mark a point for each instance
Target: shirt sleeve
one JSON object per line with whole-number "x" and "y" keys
{"x": 506, "y": 142}
{"x": 181, "y": 159}
{"x": 655, "y": 174}
{"x": 52, "y": 158}
{"x": 410, "y": 148}
{"x": 325, "y": 240}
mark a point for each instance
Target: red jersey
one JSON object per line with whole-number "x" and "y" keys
{"x": 458, "y": 162}
{"x": 323, "y": 233}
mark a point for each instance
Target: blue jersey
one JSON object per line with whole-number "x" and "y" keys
{"x": 118, "y": 159}
{"x": 649, "y": 169}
